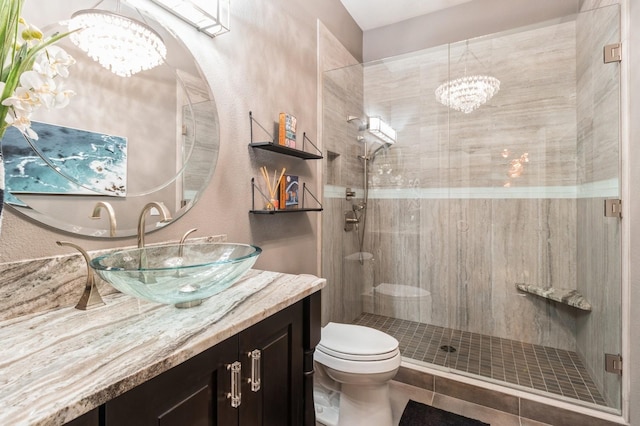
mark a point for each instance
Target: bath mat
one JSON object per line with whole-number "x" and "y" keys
{"x": 417, "y": 414}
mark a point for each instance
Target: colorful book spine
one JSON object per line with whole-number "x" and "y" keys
{"x": 287, "y": 130}
{"x": 289, "y": 192}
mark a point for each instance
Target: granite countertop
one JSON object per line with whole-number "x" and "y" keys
{"x": 59, "y": 364}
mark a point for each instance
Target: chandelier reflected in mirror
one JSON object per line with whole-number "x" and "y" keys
{"x": 120, "y": 44}
{"x": 466, "y": 94}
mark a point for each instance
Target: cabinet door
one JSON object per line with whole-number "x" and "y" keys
{"x": 92, "y": 418}
{"x": 279, "y": 401}
{"x": 193, "y": 393}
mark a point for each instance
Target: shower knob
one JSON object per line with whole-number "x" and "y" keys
{"x": 350, "y": 193}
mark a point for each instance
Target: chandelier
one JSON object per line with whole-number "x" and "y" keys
{"x": 120, "y": 44}
{"x": 465, "y": 94}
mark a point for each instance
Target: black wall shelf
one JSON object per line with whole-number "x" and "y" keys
{"x": 285, "y": 150}
{"x": 281, "y": 149}
{"x": 283, "y": 211}
{"x": 301, "y": 209}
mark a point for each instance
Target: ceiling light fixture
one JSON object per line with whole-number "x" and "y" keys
{"x": 208, "y": 16}
{"x": 465, "y": 94}
{"x": 121, "y": 44}
{"x": 379, "y": 128}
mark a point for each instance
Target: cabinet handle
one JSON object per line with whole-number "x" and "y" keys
{"x": 235, "y": 395}
{"x": 254, "y": 381}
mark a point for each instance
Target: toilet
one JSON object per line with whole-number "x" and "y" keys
{"x": 354, "y": 365}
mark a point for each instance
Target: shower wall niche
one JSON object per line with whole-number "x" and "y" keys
{"x": 452, "y": 228}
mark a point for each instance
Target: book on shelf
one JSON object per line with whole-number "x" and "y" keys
{"x": 289, "y": 192}
{"x": 287, "y": 130}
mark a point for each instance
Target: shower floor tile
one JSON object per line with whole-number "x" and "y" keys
{"x": 536, "y": 367}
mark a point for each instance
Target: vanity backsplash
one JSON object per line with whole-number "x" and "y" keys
{"x": 37, "y": 285}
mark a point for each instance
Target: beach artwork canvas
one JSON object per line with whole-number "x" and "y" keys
{"x": 98, "y": 161}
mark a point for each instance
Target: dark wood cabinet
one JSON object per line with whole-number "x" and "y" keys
{"x": 274, "y": 380}
{"x": 278, "y": 401}
{"x": 193, "y": 393}
{"x": 92, "y": 418}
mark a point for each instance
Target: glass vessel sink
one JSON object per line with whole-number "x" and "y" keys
{"x": 180, "y": 274}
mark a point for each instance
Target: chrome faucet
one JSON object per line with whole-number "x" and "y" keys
{"x": 166, "y": 218}
{"x": 110, "y": 212}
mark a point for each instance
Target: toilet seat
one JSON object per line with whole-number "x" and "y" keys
{"x": 357, "y": 349}
{"x": 356, "y": 340}
{"x": 356, "y": 357}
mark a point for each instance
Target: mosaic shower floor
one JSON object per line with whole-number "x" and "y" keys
{"x": 537, "y": 367}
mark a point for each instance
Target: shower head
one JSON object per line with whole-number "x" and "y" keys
{"x": 362, "y": 122}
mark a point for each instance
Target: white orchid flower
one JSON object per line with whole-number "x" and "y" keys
{"x": 21, "y": 122}
{"x": 53, "y": 61}
{"x": 23, "y": 99}
{"x": 37, "y": 86}
{"x": 43, "y": 87}
{"x": 63, "y": 98}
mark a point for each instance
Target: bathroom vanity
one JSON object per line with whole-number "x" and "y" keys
{"x": 243, "y": 357}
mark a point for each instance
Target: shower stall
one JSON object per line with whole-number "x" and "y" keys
{"x": 480, "y": 240}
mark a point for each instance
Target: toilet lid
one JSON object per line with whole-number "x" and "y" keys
{"x": 355, "y": 342}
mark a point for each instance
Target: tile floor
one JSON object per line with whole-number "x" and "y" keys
{"x": 537, "y": 367}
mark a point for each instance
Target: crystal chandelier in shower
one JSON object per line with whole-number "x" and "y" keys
{"x": 466, "y": 94}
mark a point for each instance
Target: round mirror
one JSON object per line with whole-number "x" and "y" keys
{"x": 122, "y": 141}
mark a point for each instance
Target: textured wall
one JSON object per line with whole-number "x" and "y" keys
{"x": 267, "y": 64}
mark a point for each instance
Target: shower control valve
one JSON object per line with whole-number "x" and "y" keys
{"x": 350, "y": 220}
{"x": 349, "y": 193}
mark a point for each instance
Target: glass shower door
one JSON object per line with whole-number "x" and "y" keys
{"x": 473, "y": 218}
{"x": 528, "y": 174}
{"x": 598, "y": 237}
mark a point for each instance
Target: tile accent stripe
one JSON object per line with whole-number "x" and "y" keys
{"x": 606, "y": 188}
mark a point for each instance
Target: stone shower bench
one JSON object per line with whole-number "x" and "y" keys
{"x": 566, "y": 296}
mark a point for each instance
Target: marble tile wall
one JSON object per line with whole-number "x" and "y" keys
{"x": 38, "y": 285}
{"x": 598, "y": 238}
{"x": 469, "y": 253}
{"x": 534, "y": 113}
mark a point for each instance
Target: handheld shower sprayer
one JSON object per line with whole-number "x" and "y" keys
{"x": 382, "y": 136}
